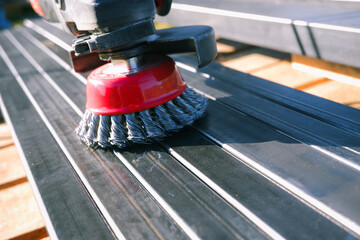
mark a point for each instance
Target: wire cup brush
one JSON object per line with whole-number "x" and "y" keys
{"x": 137, "y": 100}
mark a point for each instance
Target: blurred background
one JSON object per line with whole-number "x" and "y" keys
{"x": 14, "y": 11}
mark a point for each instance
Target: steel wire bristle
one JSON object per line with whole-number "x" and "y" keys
{"x": 103, "y": 132}
{"x": 118, "y": 131}
{"x": 141, "y": 127}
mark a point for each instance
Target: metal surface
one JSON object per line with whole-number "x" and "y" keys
{"x": 53, "y": 176}
{"x": 177, "y": 204}
{"x": 268, "y": 105}
{"x": 290, "y": 151}
{"x": 242, "y": 187}
{"x": 118, "y": 195}
{"x": 252, "y": 169}
{"x": 323, "y": 29}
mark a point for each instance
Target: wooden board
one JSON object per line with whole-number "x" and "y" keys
{"x": 11, "y": 169}
{"x": 19, "y": 214}
{"x": 5, "y": 136}
{"x": 276, "y": 67}
{"x": 342, "y": 84}
{"x": 326, "y": 66}
{"x": 283, "y": 74}
{"x": 252, "y": 59}
{"x": 338, "y": 92}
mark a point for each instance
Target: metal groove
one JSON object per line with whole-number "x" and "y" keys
{"x": 187, "y": 229}
{"x": 53, "y": 55}
{"x": 83, "y": 179}
{"x": 160, "y": 165}
{"x": 320, "y": 207}
{"x": 317, "y": 148}
{"x": 128, "y": 196}
{"x": 266, "y": 229}
{"x": 147, "y": 186}
{"x": 13, "y": 40}
{"x": 282, "y": 99}
{"x": 48, "y": 35}
{"x": 49, "y": 226}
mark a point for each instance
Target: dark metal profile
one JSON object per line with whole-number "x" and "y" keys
{"x": 266, "y": 162}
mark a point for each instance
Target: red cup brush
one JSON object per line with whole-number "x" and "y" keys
{"x": 137, "y": 100}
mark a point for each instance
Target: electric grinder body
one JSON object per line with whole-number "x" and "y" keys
{"x": 140, "y": 95}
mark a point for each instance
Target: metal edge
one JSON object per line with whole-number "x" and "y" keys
{"x": 49, "y": 227}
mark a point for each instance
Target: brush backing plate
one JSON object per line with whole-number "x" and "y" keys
{"x": 112, "y": 92}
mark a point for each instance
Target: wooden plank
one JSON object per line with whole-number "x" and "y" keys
{"x": 273, "y": 66}
{"x": 330, "y": 67}
{"x": 227, "y": 48}
{"x": 224, "y": 48}
{"x": 38, "y": 234}
{"x": 253, "y": 60}
{"x": 344, "y": 86}
{"x": 5, "y": 136}
{"x": 23, "y": 219}
{"x": 52, "y": 178}
{"x": 282, "y": 73}
{"x": 19, "y": 212}
{"x": 338, "y": 92}
{"x": 11, "y": 168}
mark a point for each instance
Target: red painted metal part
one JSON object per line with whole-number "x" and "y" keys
{"x": 113, "y": 94}
{"x": 159, "y": 4}
{"x": 37, "y": 8}
{"x": 163, "y": 7}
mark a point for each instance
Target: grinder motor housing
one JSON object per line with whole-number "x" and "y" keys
{"x": 120, "y": 29}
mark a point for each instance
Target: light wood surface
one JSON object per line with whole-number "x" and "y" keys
{"x": 5, "y": 136}
{"x": 274, "y": 66}
{"x": 283, "y": 74}
{"x": 337, "y": 92}
{"x": 326, "y": 65}
{"x": 19, "y": 214}
{"x": 250, "y": 62}
{"x": 11, "y": 169}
